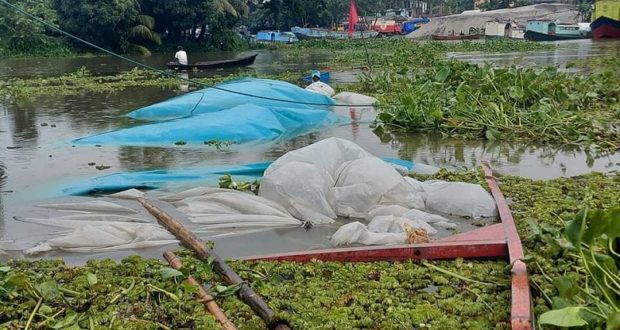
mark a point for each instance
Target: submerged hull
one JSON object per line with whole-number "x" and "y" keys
{"x": 537, "y": 36}
{"x": 238, "y": 62}
{"x": 605, "y": 27}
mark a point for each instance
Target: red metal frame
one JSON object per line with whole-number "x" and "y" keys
{"x": 495, "y": 241}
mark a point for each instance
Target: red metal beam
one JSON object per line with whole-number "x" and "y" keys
{"x": 521, "y": 313}
{"x": 435, "y": 250}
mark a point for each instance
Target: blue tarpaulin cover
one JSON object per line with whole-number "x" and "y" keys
{"x": 212, "y": 100}
{"x": 213, "y": 115}
{"x": 170, "y": 178}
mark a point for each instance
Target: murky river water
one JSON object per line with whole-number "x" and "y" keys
{"x": 37, "y": 160}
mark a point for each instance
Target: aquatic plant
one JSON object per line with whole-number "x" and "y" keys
{"x": 424, "y": 92}
{"x": 593, "y": 240}
{"x": 326, "y": 295}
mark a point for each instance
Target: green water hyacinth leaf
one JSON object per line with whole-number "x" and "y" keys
{"x": 575, "y": 228}
{"x": 49, "y": 289}
{"x": 442, "y": 74}
{"x": 613, "y": 321}
{"x": 516, "y": 92}
{"x": 91, "y": 278}
{"x": 5, "y": 269}
{"x": 168, "y": 272}
{"x": 566, "y": 286}
{"x": 565, "y": 317}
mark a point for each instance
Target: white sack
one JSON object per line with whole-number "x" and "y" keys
{"x": 370, "y": 181}
{"x": 107, "y": 237}
{"x": 392, "y": 224}
{"x": 301, "y": 188}
{"x": 399, "y": 211}
{"x": 350, "y": 98}
{"x": 424, "y": 169}
{"x": 322, "y": 88}
{"x": 218, "y": 219}
{"x": 459, "y": 198}
{"x": 128, "y": 194}
{"x": 90, "y": 206}
{"x": 334, "y": 177}
{"x": 356, "y": 232}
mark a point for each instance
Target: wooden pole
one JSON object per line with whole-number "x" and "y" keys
{"x": 189, "y": 240}
{"x": 203, "y": 296}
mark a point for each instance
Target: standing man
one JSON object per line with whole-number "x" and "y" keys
{"x": 180, "y": 56}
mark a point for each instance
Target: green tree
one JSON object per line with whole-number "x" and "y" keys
{"x": 20, "y": 34}
{"x": 114, "y": 24}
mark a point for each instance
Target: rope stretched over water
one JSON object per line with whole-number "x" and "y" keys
{"x": 168, "y": 74}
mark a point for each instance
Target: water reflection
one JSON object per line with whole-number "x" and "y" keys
{"x": 24, "y": 121}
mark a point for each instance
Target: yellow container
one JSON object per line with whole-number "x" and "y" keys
{"x": 607, "y": 8}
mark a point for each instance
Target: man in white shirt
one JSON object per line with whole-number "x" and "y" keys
{"x": 181, "y": 56}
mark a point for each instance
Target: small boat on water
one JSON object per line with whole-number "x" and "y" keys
{"x": 324, "y": 77}
{"x": 318, "y": 33}
{"x": 455, "y": 37}
{"x": 276, "y": 36}
{"x": 234, "y": 63}
{"x": 606, "y": 19}
{"x": 547, "y": 30}
{"x": 309, "y": 33}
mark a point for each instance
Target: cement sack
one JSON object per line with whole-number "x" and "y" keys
{"x": 349, "y": 98}
{"x": 369, "y": 181}
{"x": 107, "y": 237}
{"x": 90, "y": 206}
{"x": 399, "y": 211}
{"x": 128, "y": 194}
{"x": 321, "y": 87}
{"x": 357, "y": 233}
{"x": 459, "y": 198}
{"x": 392, "y": 224}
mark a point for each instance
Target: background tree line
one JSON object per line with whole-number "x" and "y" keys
{"x": 143, "y": 25}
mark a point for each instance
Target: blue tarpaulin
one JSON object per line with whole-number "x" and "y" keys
{"x": 214, "y": 115}
{"x": 241, "y": 124}
{"x": 170, "y": 178}
{"x": 212, "y": 100}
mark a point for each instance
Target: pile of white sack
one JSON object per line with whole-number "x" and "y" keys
{"x": 316, "y": 184}
{"x": 337, "y": 178}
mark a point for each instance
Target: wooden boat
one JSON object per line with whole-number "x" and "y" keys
{"x": 456, "y": 37}
{"x": 324, "y": 77}
{"x": 497, "y": 241}
{"x": 234, "y": 63}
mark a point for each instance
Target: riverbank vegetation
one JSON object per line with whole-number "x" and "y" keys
{"x": 422, "y": 91}
{"x": 324, "y": 295}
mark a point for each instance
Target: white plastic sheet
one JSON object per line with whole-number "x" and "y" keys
{"x": 356, "y": 232}
{"x": 369, "y": 181}
{"x": 107, "y": 237}
{"x": 459, "y": 198}
{"x": 224, "y": 208}
{"x": 89, "y": 206}
{"x": 334, "y": 177}
{"x": 128, "y": 194}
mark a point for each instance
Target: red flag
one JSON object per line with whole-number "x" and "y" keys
{"x": 352, "y": 18}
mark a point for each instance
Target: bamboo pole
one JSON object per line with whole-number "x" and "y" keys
{"x": 188, "y": 239}
{"x": 203, "y": 296}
